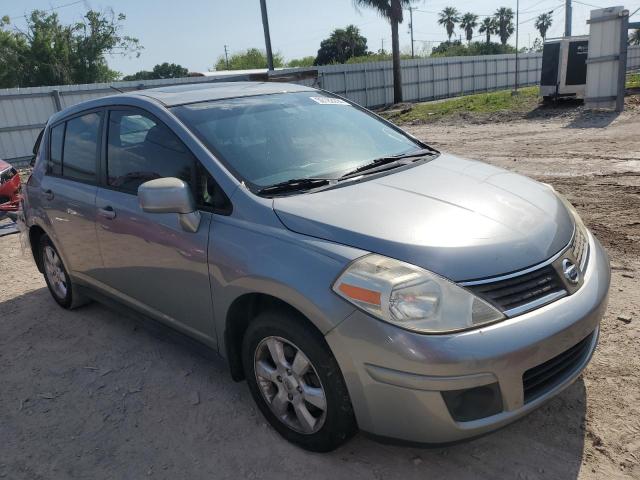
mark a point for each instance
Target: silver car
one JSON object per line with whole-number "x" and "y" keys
{"x": 354, "y": 276}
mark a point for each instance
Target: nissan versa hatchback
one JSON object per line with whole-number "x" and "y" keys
{"x": 354, "y": 276}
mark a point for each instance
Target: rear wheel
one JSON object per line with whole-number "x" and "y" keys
{"x": 56, "y": 275}
{"x": 296, "y": 382}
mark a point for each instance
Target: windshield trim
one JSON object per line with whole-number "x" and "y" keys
{"x": 255, "y": 188}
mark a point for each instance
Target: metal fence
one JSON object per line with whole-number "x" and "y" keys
{"x": 24, "y": 111}
{"x": 371, "y": 84}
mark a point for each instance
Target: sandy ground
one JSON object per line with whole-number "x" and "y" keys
{"x": 95, "y": 394}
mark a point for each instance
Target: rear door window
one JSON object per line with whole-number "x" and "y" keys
{"x": 81, "y": 147}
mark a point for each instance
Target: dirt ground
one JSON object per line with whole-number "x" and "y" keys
{"x": 95, "y": 394}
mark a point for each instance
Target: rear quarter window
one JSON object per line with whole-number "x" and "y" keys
{"x": 54, "y": 165}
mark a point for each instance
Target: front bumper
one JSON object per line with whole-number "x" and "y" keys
{"x": 396, "y": 378}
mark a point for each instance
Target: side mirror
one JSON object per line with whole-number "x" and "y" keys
{"x": 170, "y": 195}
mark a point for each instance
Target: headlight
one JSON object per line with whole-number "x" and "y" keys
{"x": 411, "y": 297}
{"x": 580, "y": 242}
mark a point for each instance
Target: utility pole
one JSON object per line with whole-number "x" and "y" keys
{"x": 568, "y": 11}
{"x": 226, "y": 56}
{"x": 267, "y": 36}
{"x": 515, "y": 91}
{"x": 382, "y": 47}
{"x": 411, "y": 28}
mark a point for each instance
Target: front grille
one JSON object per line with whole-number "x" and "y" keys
{"x": 521, "y": 290}
{"x": 538, "y": 380}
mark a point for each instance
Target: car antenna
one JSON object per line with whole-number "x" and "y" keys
{"x": 116, "y": 89}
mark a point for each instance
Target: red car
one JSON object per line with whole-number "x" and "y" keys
{"x": 10, "y": 189}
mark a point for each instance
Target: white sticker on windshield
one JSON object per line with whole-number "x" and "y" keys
{"x": 329, "y": 101}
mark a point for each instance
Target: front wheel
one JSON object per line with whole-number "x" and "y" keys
{"x": 296, "y": 382}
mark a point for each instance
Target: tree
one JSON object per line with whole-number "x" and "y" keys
{"x": 449, "y": 17}
{"x": 488, "y": 27}
{"x": 392, "y": 11}
{"x": 47, "y": 52}
{"x": 342, "y": 44}
{"x": 248, "y": 60}
{"x": 468, "y": 22}
{"x": 537, "y": 46}
{"x": 634, "y": 38}
{"x": 456, "y": 49}
{"x": 94, "y": 36}
{"x": 504, "y": 23}
{"x": 301, "y": 62}
{"x": 13, "y": 50}
{"x": 543, "y": 22}
{"x": 164, "y": 70}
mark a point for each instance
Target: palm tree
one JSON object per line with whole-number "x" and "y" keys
{"x": 468, "y": 22}
{"x": 392, "y": 11}
{"x": 634, "y": 38}
{"x": 488, "y": 27}
{"x": 449, "y": 17}
{"x": 543, "y": 22}
{"x": 504, "y": 22}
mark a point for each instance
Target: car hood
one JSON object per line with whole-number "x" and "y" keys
{"x": 459, "y": 218}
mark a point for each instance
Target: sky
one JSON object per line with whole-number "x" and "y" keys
{"x": 193, "y": 33}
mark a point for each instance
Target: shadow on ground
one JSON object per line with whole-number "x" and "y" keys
{"x": 575, "y": 112}
{"x": 94, "y": 393}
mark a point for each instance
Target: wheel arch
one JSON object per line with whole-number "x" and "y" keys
{"x": 243, "y": 310}
{"x": 35, "y": 234}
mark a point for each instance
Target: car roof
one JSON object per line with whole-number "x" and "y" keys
{"x": 182, "y": 94}
{"x": 172, "y": 96}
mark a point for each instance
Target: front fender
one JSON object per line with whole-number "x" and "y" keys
{"x": 248, "y": 258}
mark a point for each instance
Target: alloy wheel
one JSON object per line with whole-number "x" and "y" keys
{"x": 290, "y": 385}
{"x": 55, "y": 272}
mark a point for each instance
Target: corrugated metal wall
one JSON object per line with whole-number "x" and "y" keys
{"x": 370, "y": 84}
{"x": 24, "y": 111}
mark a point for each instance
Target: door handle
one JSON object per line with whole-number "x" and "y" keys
{"x": 48, "y": 193}
{"x": 107, "y": 212}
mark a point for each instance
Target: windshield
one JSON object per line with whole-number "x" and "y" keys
{"x": 269, "y": 139}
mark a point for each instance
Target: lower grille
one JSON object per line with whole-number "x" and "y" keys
{"x": 538, "y": 380}
{"x": 520, "y": 290}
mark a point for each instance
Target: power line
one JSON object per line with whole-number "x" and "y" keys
{"x": 50, "y": 9}
{"x": 587, "y": 4}
{"x": 532, "y": 7}
{"x": 553, "y": 12}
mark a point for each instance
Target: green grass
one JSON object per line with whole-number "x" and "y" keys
{"x": 483, "y": 103}
{"x": 633, "y": 80}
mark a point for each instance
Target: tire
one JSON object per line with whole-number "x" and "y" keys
{"x": 62, "y": 289}
{"x": 295, "y": 387}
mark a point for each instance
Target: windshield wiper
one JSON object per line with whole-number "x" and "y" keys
{"x": 295, "y": 184}
{"x": 389, "y": 161}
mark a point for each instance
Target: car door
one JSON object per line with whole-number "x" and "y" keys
{"x": 68, "y": 190}
{"x": 148, "y": 259}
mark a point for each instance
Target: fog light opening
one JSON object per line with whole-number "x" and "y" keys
{"x": 473, "y": 403}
